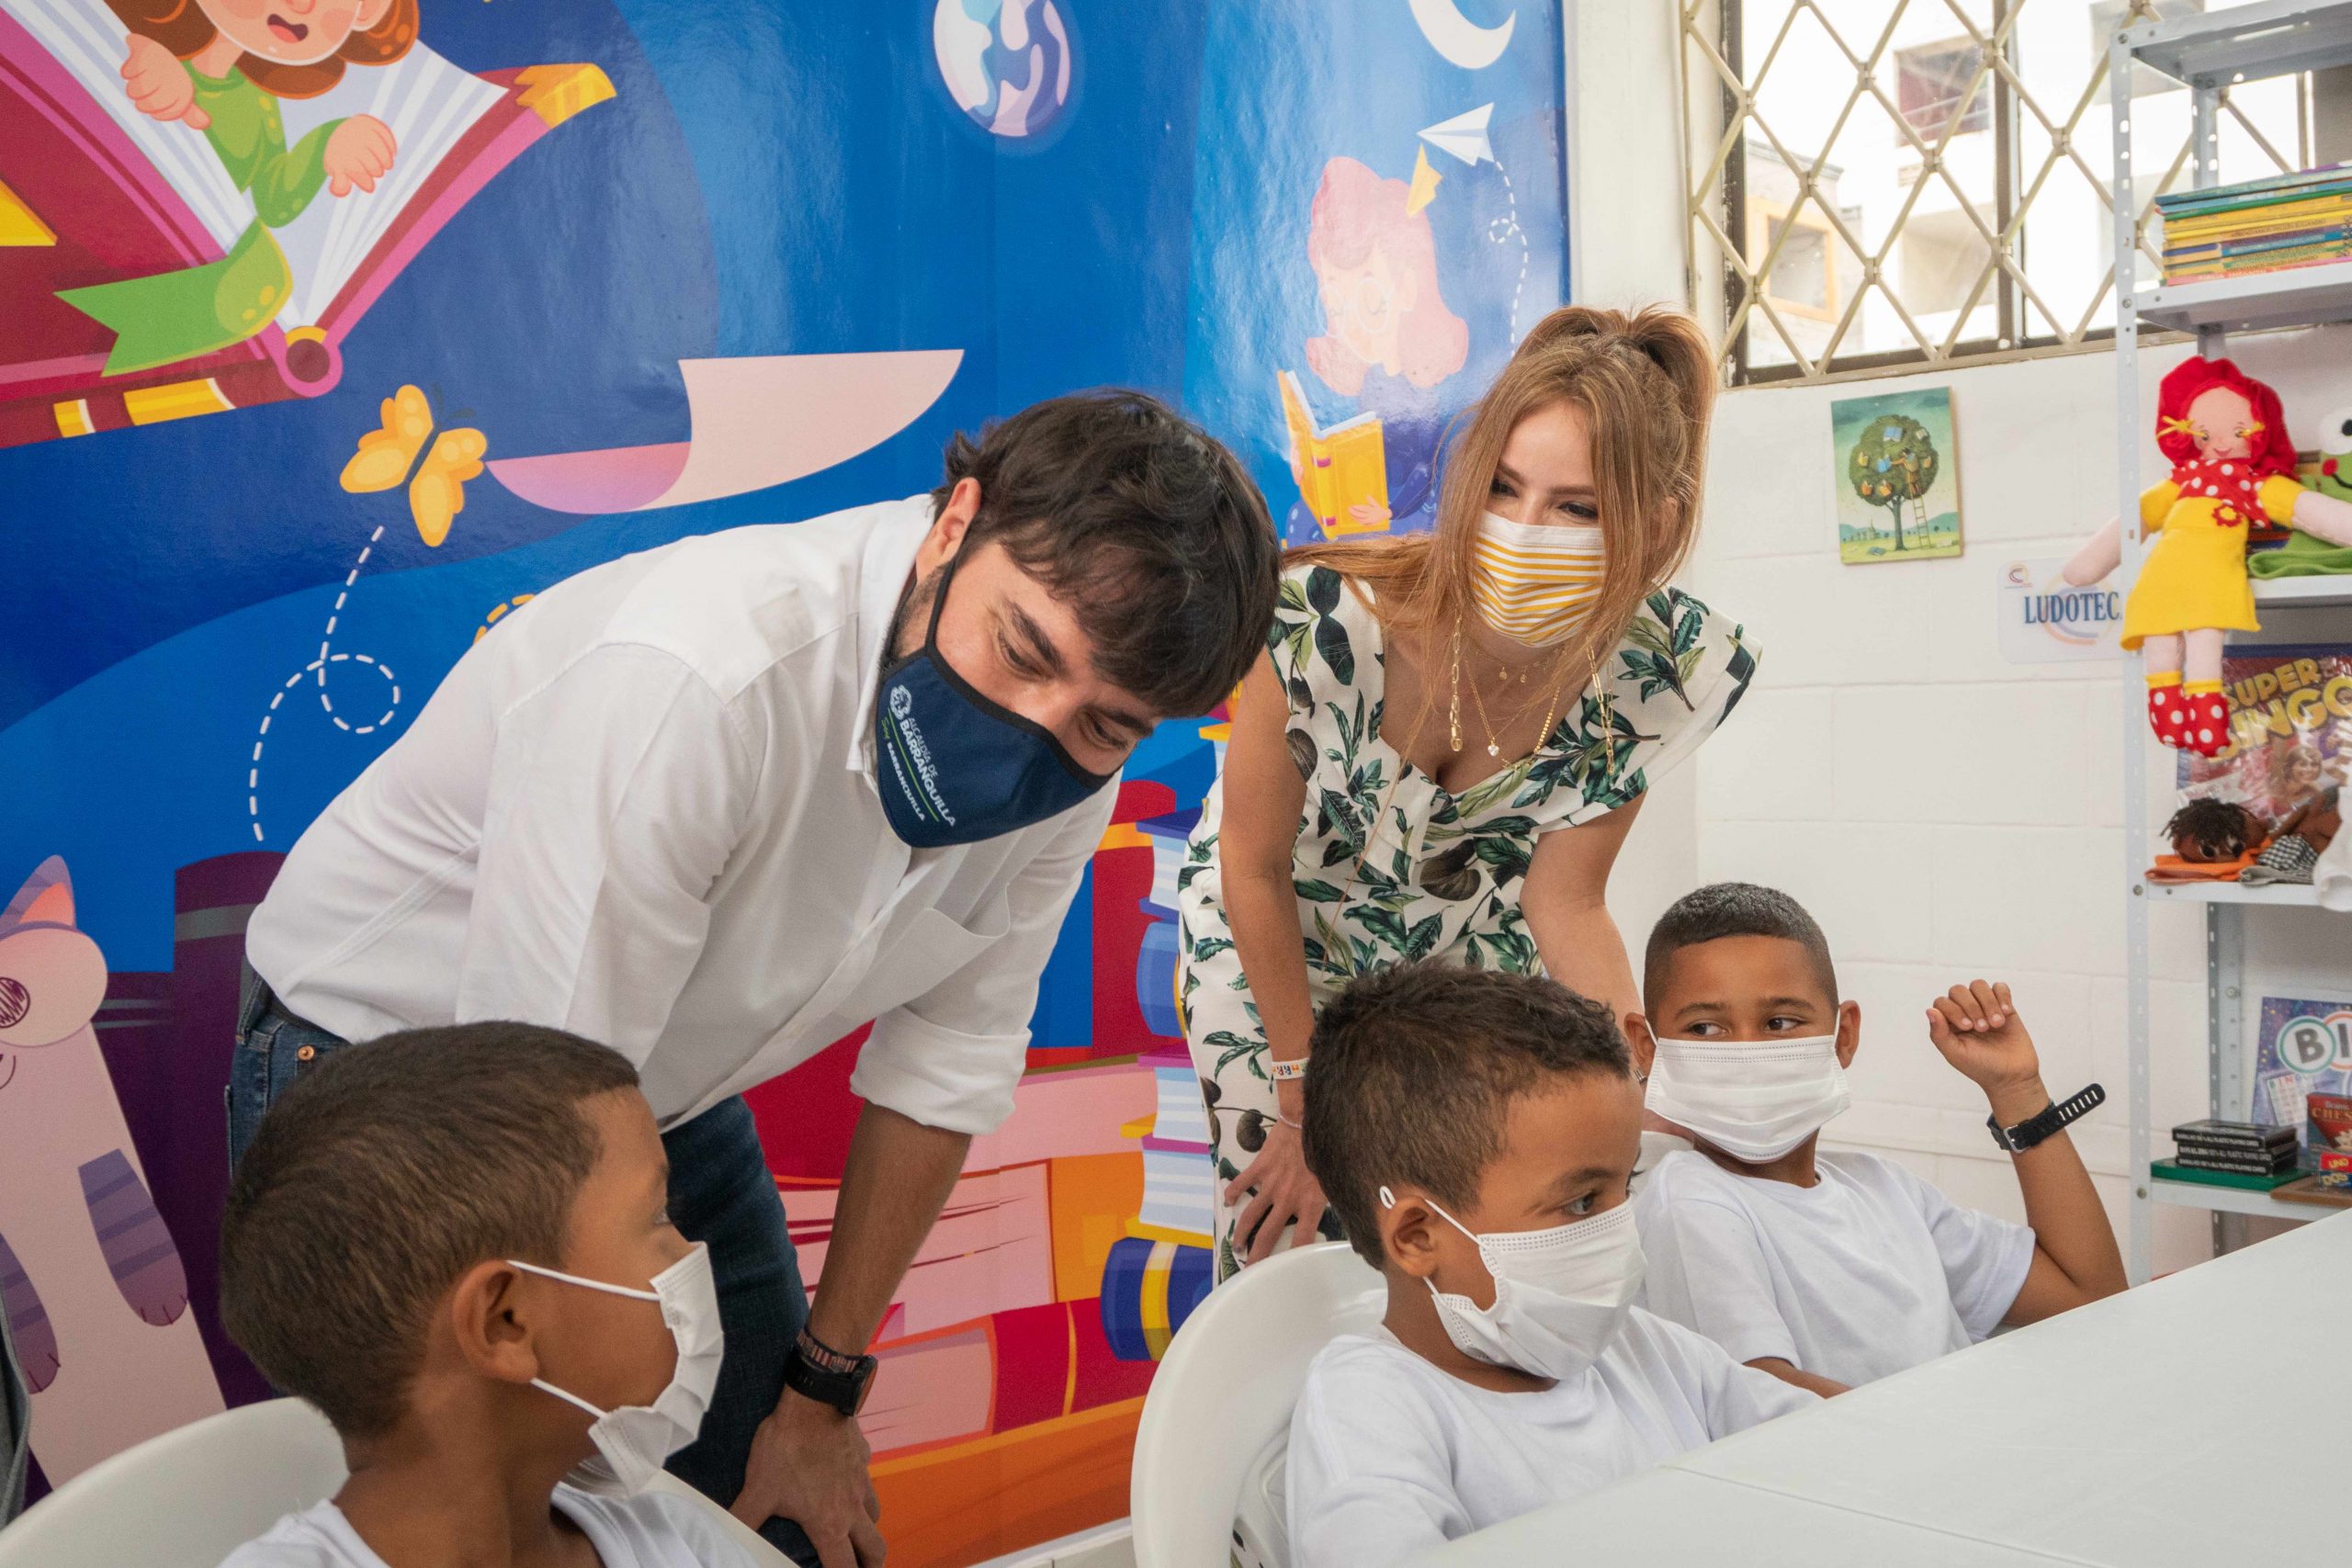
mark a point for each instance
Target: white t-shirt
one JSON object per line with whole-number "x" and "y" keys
{"x": 1390, "y": 1457}
{"x": 654, "y": 1529}
{"x": 1866, "y": 1272}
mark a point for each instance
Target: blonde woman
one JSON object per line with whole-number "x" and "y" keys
{"x": 1450, "y": 735}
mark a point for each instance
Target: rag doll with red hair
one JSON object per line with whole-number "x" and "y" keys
{"x": 2232, "y": 462}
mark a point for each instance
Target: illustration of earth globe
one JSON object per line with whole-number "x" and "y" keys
{"x": 1006, "y": 63}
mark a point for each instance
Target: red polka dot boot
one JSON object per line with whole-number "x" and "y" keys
{"x": 2205, "y": 729}
{"x": 2167, "y": 710}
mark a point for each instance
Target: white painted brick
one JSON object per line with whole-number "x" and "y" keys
{"x": 1897, "y": 1062}
{"x": 1820, "y": 624}
{"x": 1769, "y": 476}
{"x": 1993, "y": 754}
{"x": 1883, "y": 916}
{"x": 2014, "y": 899}
{"x": 1766, "y": 762}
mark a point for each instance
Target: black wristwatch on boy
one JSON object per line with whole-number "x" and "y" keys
{"x": 816, "y": 1371}
{"x": 2034, "y": 1129}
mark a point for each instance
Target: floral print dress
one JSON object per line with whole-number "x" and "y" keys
{"x": 1440, "y": 877}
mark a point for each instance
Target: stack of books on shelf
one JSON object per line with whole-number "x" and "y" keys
{"x": 2233, "y": 1154}
{"x": 2288, "y": 220}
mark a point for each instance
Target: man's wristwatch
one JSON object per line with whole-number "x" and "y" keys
{"x": 2034, "y": 1129}
{"x": 816, "y": 1371}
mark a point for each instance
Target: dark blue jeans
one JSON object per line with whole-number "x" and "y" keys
{"x": 720, "y": 1193}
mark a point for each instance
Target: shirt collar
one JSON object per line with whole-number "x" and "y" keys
{"x": 882, "y": 573}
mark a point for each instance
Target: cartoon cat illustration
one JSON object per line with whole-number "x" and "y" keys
{"x": 90, "y": 1277}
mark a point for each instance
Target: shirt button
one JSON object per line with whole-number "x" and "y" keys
{"x": 305, "y": 1053}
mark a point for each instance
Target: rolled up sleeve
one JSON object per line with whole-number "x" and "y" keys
{"x": 950, "y": 1059}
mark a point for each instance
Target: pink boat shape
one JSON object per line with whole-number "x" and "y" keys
{"x": 757, "y": 422}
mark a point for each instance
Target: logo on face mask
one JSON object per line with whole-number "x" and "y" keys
{"x": 918, "y": 755}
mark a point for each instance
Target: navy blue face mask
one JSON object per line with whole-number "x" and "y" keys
{"x": 955, "y": 768}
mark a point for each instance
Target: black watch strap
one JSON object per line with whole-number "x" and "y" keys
{"x": 2034, "y": 1129}
{"x": 816, "y": 1371}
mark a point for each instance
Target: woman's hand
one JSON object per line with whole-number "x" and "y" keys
{"x": 1286, "y": 1193}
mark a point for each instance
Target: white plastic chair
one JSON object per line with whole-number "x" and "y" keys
{"x": 189, "y": 1499}
{"x": 1226, "y": 1389}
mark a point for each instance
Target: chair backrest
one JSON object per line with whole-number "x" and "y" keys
{"x": 190, "y": 1497}
{"x": 187, "y": 1499}
{"x": 1226, "y": 1389}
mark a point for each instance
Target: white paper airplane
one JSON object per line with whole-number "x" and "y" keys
{"x": 1465, "y": 135}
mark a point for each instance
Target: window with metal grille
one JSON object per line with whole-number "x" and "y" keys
{"x": 1878, "y": 184}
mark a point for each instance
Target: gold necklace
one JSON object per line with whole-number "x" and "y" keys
{"x": 1494, "y": 746}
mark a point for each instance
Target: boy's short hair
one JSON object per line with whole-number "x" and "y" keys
{"x": 1733, "y": 908}
{"x": 1415, "y": 1070}
{"x": 383, "y": 1174}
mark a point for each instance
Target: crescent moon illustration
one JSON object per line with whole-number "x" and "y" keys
{"x": 1459, "y": 39}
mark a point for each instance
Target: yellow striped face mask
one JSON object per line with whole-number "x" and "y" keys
{"x": 1536, "y": 582}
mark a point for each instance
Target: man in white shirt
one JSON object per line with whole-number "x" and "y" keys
{"x": 719, "y": 804}
{"x": 1477, "y": 1131}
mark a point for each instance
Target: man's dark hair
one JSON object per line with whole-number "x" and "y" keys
{"x": 1140, "y": 522}
{"x": 1415, "y": 1070}
{"x": 383, "y": 1174}
{"x": 1733, "y": 908}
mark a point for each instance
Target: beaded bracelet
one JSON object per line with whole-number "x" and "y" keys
{"x": 1288, "y": 1072}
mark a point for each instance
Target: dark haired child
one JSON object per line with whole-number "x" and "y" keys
{"x": 1832, "y": 1269}
{"x": 454, "y": 1243}
{"x": 1475, "y": 1131}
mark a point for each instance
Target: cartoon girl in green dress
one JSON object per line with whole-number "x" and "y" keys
{"x": 219, "y": 67}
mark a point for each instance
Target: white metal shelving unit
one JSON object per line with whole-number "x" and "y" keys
{"x": 2208, "y": 52}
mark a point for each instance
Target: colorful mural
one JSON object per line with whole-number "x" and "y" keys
{"x": 323, "y": 351}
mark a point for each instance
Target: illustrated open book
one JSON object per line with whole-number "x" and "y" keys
{"x": 92, "y": 191}
{"x": 1339, "y": 467}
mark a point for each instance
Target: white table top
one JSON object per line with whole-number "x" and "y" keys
{"x": 2187, "y": 1422}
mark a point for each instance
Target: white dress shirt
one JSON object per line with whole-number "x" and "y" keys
{"x": 642, "y": 808}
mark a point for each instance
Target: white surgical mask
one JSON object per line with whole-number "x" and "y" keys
{"x": 633, "y": 1441}
{"x": 1561, "y": 1293}
{"x": 1536, "y": 582}
{"x": 1755, "y": 1100}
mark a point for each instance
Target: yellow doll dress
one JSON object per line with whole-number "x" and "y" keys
{"x": 2194, "y": 577}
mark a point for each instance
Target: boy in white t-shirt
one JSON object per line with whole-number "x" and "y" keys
{"x": 1829, "y": 1271}
{"x": 456, "y": 1243}
{"x": 1476, "y": 1132}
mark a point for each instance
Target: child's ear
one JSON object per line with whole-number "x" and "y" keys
{"x": 1850, "y": 1032}
{"x": 1408, "y": 1235}
{"x": 493, "y": 1328}
{"x": 1644, "y": 1042}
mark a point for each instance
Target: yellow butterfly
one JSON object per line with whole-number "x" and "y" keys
{"x": 437, "y": 493}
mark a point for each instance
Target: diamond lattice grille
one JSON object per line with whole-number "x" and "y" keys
{"x": 1882, "y": 183}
